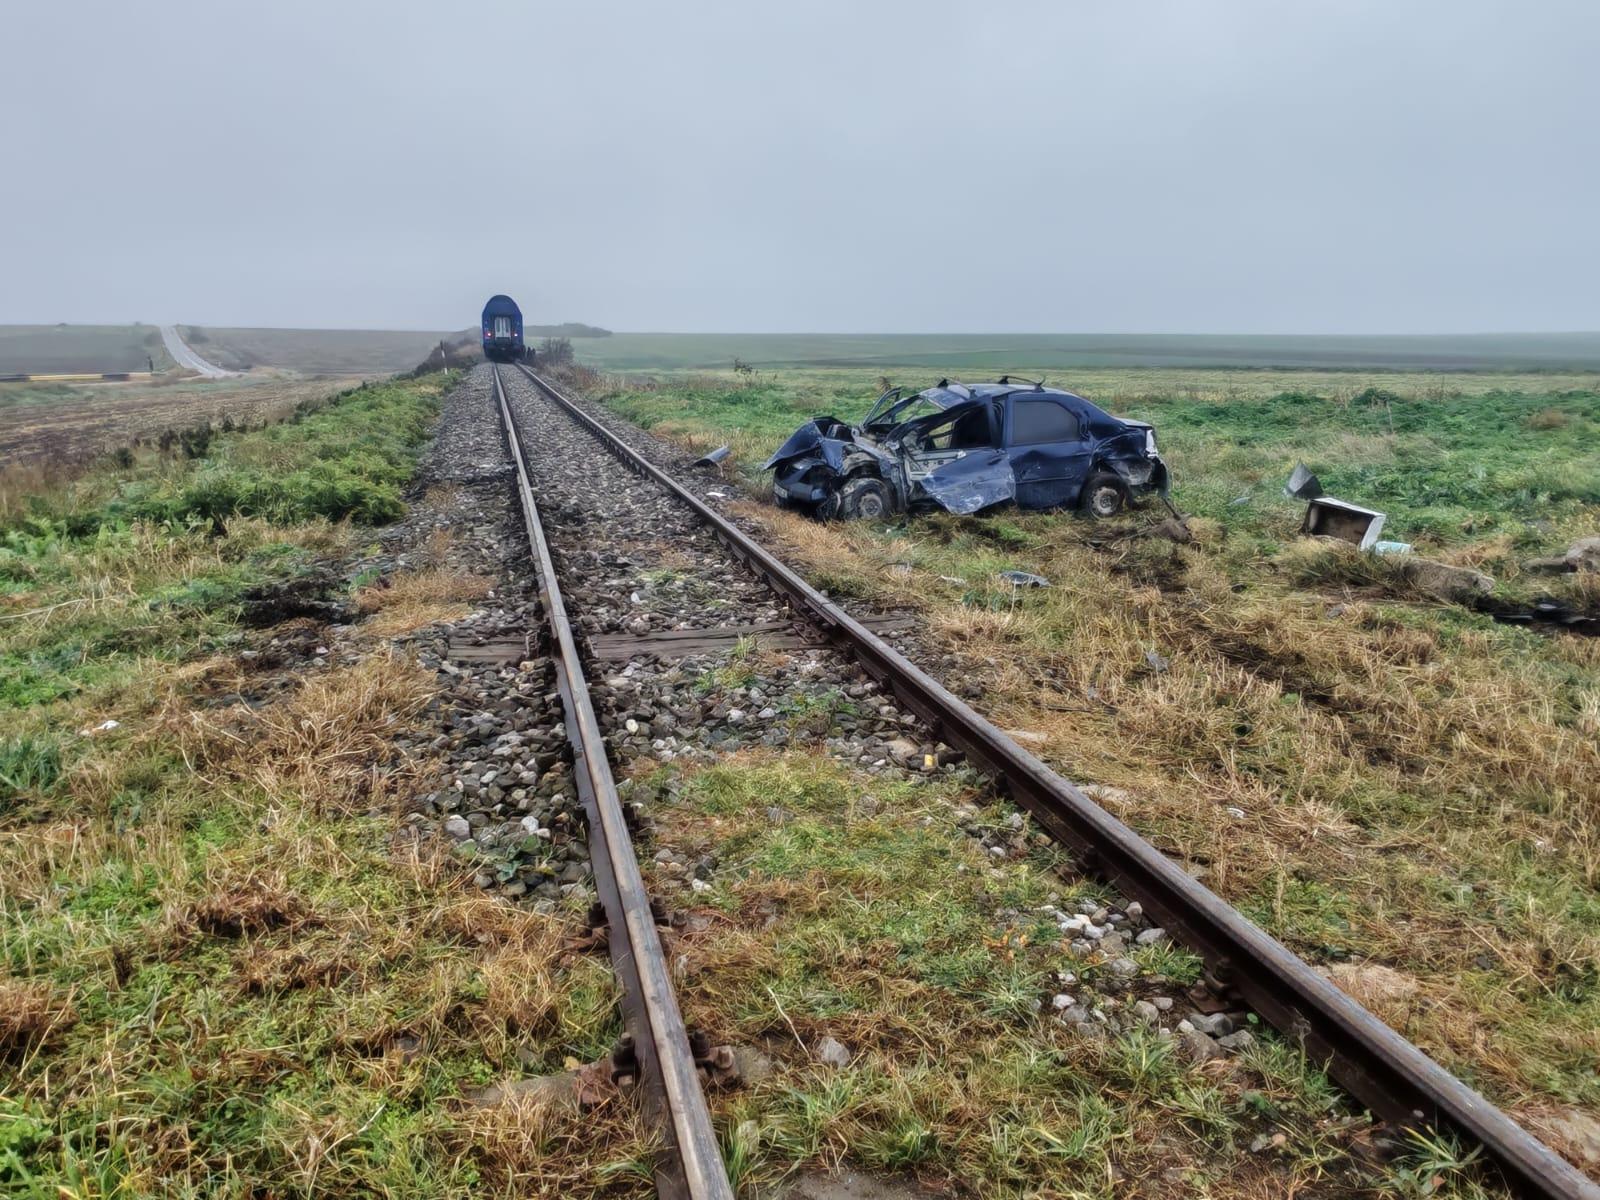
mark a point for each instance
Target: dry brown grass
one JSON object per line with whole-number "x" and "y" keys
{"x": 243, "y": 903}
{"x": 414, "y": 599}
{"x": 30, "y": 1015}
{"x": 527, "y": 1147}
{"x": 1337, "y": 764}
{"x": 331, "y": 742}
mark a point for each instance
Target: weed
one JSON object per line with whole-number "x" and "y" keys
{"x": 30, "y": 763}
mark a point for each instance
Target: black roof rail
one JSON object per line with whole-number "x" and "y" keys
{"x": 1038, "y": 384}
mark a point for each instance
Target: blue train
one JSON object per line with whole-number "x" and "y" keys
{"x": 502, "y": 331}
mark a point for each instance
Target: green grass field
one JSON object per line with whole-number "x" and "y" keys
{"x": 998, "y": 352}
{"x": 1396, "y": 786}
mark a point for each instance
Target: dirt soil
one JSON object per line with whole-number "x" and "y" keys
{"x": 77, "y": 422}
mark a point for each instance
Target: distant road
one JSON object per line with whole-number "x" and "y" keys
{"x": 186, "y": 357}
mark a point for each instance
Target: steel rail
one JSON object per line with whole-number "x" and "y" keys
{"x": 670, "y": 1085}
{"x": 1396, "y": 1080}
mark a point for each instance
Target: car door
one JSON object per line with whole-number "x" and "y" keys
{"x": 955, "y": 458}
{"x": 1049, "y": 450}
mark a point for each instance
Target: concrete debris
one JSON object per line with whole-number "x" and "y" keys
{"x": 1582, "y": 555}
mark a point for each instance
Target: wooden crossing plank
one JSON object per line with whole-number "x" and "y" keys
{"x": 682, "y": 643}
{"x": 513, "y": 649}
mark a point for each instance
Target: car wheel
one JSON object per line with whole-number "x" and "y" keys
{"x": 1104, "y": 496}
{"x": 864, "y": 499}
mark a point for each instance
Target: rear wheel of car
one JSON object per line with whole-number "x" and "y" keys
{"x": 864, "y": 499}
{"x": 1104, "y": 495}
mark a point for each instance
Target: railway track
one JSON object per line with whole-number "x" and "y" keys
{"x": 656, "y": 1040}
{"x": 1245, "y": 967}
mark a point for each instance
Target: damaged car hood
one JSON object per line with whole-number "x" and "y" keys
{"x": 811, "y": 438}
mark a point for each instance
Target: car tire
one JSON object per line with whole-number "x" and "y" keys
{"x": 864, "y": 499}
{"x": 1104, "y": 495}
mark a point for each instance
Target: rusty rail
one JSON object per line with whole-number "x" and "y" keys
{"x": 1396, "y": 1080}
{"x": 672, "y": 1099}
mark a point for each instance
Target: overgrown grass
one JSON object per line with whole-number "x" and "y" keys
{"x": 121, "y": 565}
{"x": 882, "y": 924}
{"x": 223, "y": 971}
{"x": 1379, "y": 779}
{"x": 340, "y": 458}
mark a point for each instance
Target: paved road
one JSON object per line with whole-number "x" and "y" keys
{"x": 186, "y": 357}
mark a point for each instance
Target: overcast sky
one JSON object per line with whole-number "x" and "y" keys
{"x": 1054, "y": 166}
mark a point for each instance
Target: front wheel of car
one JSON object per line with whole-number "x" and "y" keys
{"x": 864, "y": 499}
{"x": 1104, "y": 496}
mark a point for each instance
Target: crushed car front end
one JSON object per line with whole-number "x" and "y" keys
{"x": 964, "y": 449}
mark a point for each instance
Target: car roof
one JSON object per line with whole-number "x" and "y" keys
{"x": 948, "y": 393}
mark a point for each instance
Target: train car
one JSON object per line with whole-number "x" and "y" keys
{"x": 502, "y": 331}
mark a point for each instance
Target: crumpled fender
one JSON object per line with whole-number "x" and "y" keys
{"x": 1141, "y": 474}
{"x": 809, "y": 439}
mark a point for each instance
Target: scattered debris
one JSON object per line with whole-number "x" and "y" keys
{"x": 1173, "y": 530}
{"x": 103, "y": 727}
{"x": 1022, "y": 579}
{"x": 1157, "y": 662}
{"x": 713, "y": 459}
{"x": 1391, "y": 548}
{"x": 1582, "y": 555}
{"x": 1302, "y": 485}
{"x": 1545, "y": 611}
{"x": 1327, "y": 517}
{"x": 1107, "y": 794}
{"x": 832, "y": 1053}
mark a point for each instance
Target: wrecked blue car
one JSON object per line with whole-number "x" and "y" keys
{"x": 963, "y": 449}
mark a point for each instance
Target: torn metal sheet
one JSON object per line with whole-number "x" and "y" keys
{"x": 1022, "y": 579}
{"x": 1302, "y": 485}
{"x": 712, "y": 459}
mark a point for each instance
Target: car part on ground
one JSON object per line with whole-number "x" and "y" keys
{"x": 966, "y": 448}
{"x": 1327, "y": 517}
{"x": 1302, "y": 485}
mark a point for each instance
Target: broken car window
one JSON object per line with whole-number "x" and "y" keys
{"x": 967, "y": 430}
{"x": 1037, "y": 421}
